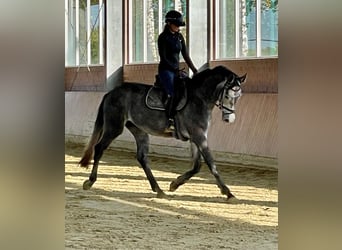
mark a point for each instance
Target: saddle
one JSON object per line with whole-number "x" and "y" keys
{"x": 156, "y": 96}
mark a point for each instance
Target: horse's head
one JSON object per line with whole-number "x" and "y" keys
{"x": 229, "y": 95}
{"x": 219, "y": 84}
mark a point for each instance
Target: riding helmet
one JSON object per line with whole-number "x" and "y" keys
{"x": 175, "y": 18}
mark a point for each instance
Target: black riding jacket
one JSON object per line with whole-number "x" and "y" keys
{"x": 169, "y": 47}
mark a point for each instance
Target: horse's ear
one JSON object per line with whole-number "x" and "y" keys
{"x": 203, "y": 67}
{"x": 243, "y": 78}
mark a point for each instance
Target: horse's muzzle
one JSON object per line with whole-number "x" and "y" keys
{"x": 228, "y": 117}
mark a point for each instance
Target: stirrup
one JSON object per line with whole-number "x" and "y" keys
{"x": 171, "y": 126}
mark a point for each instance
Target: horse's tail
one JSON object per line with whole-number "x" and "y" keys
{"x": 95, "y": 137}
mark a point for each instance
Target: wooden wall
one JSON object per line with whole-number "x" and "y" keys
{"x": 85, "y": 79}
{"x": 262, "y": 73}
{"x": 142, "y": 72}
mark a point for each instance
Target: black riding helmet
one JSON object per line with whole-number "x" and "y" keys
{"x": 175, "y": 18}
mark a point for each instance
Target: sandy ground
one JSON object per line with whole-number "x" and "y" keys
{"x": 121, "y": 212}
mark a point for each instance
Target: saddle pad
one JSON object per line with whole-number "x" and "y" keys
{"x": 154, "y": 99}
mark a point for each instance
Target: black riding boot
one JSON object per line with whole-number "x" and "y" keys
{"x": 170, "y": 112}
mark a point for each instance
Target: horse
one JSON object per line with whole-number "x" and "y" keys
{"x": 125, "y": 106}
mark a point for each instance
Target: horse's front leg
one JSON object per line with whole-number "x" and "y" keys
{"x": 196, "y": 158}
{"x": 210, "y": 162}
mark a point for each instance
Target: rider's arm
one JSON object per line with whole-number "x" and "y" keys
{"x": 186, "y": 56}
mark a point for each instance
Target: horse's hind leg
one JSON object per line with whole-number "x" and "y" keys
{"x": 108, "y": 136}
{"x": 142, "y": 141}
{"x": 196, "y": 157}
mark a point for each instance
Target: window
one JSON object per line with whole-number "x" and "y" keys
{"x": 84, "y": 32}
{"x": 146, "y": 19}
{"x": 246, "y": 28}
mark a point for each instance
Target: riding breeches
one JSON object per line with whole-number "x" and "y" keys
{"x": 167, "y": 79}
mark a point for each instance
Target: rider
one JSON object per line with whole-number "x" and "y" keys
{"x": 170, "y": 43}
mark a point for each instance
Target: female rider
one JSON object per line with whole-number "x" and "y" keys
{"x": 170, "y": 43}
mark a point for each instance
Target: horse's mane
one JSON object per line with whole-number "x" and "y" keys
{"x": 201, "y": 76}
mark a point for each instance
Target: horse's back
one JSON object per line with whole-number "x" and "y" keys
{"x": 125, "y": 96}
{"x": 126, "y": 89}
{"x": 133, "y": 85}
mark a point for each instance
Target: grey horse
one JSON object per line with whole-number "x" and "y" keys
{"x": 125, "y": 106}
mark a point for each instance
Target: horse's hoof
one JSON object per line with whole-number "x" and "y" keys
{"x": 173, "y": 186}
{"x": 87, "y": 184}
{"x": 161, "y": 194}
{"x": 232, "y": 200}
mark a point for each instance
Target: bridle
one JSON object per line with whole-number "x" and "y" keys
{"x": 235, "y": 87}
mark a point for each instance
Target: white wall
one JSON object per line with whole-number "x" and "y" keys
{"x": 115, "y": 47}
{"x": 198, "y": 37}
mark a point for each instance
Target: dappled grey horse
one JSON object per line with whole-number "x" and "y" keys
{"x": 125, "y": 106}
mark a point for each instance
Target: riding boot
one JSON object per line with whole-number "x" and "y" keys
{"x": 170, "y": 112}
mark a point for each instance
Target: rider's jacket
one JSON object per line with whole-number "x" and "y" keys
{"x": 169, "y": 46}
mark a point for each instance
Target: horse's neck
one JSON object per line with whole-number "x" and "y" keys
{"x": 201, "y": 99}
{"x": 205, "y": 92}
